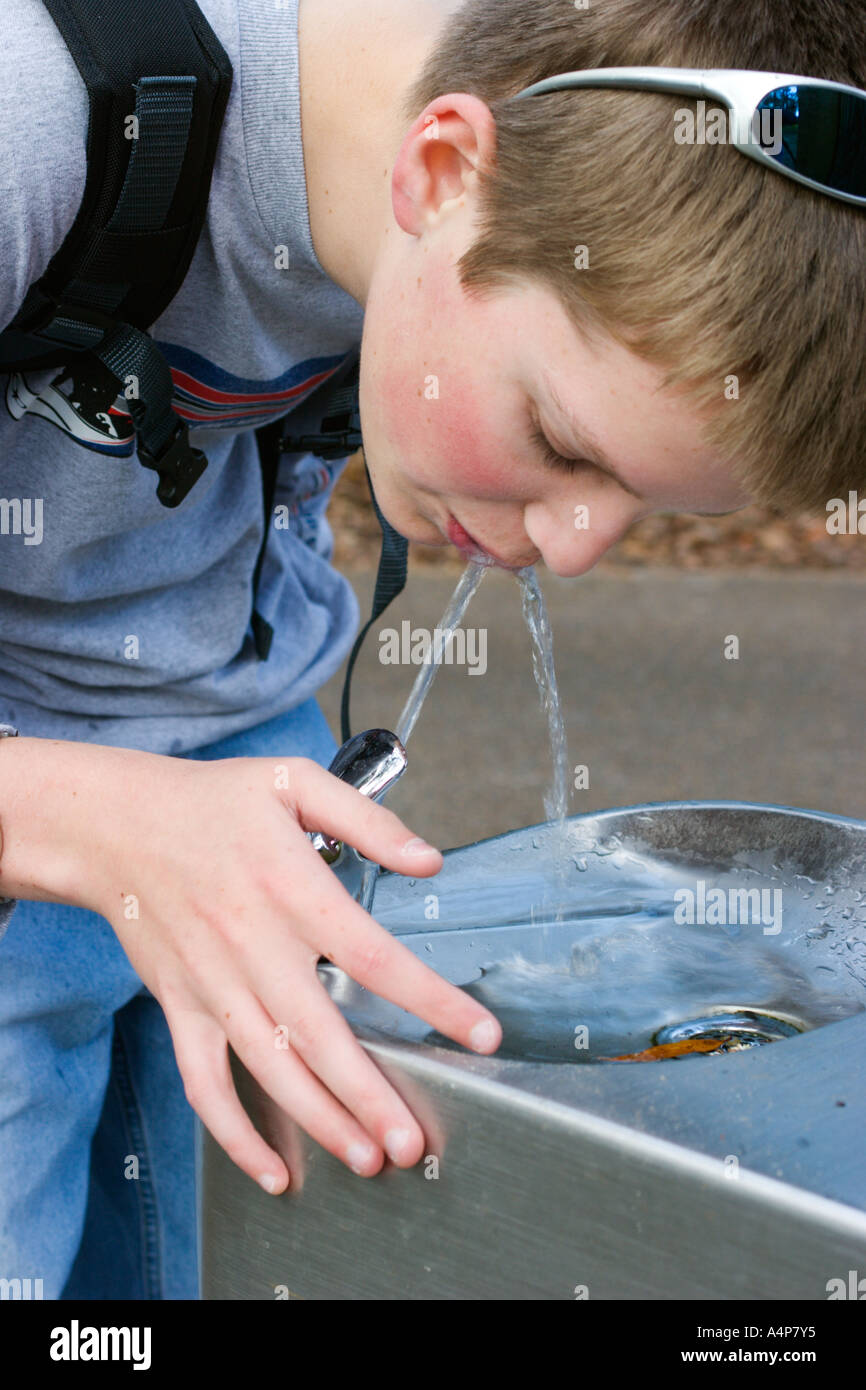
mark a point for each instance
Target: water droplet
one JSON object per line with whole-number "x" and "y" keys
{"x": 580, "y": 865}
{"x": 428, "y": 946}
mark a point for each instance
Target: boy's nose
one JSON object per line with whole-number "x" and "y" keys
{"x": 571, "y": 543}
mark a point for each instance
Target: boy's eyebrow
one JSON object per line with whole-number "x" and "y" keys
{"x": 586, "y": 443}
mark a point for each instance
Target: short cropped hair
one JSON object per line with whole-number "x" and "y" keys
{"x": 699, "y": 260}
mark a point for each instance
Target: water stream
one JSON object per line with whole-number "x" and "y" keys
{"x": 448, "y": 625}
{"x": 556, "y": 798}
{"x": 538, "y": 623}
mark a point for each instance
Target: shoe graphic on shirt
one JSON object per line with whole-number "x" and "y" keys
{"x": 88, "y": 411}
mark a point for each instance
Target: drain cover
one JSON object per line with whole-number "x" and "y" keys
{"x": 730, "y": 1029}
{"x": 727, "y": 1030}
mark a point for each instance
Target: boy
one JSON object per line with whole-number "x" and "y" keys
{"x": 175, "y": 900}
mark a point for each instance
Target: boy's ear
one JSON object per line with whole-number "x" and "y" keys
{"x": 438, "y": 162}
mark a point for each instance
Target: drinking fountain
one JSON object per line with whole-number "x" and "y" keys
{"x": 678, "y": 1107}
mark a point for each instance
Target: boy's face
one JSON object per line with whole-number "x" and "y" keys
{"x": 453, "y": 388}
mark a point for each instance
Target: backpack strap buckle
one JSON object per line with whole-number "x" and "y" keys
{"x": 178, "y": 464}
{"x": 333, "y": 444}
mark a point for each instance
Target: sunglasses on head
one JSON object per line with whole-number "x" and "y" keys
{"x": 803, "y": 127}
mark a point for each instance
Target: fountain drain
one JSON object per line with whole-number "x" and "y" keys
{"x": 731, "y": 1029}
{"x": 726, "y": 1030}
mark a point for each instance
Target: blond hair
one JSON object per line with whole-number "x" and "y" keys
{"x": 699, "y": 260}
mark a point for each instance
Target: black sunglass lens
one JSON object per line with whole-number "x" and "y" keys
{"x": 818, "y": 133}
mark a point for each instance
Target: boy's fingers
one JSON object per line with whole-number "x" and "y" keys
{"x": 202, "y": 1059}
{"x": 343, "y": 932}
{"x": 325, "y": 803}
{"x": 202, "y": 1055}
{"x": 287, "y": 1079}
{"x": 389, "y": 969}
{"x": 316, "y": 1030}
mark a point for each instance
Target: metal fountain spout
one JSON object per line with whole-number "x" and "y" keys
{"x": 371, "y": 762}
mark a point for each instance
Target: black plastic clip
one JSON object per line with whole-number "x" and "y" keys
{"x": 335, "y": 445}
{"x": 179, "y": 466}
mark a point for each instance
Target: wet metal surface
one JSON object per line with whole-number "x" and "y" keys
{"x": 721, "y": 1173}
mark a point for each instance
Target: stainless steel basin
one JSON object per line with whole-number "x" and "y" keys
{"x": 557, "y": 1169}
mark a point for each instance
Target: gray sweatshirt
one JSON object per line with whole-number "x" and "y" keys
{"x": 123, "y": 622}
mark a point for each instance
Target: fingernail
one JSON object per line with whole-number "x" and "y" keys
{"x": 359, "y": 1157}
{"x": 483, "y": 1036}
{"x": 418, "y": 846}
{"x": 396, "y": 1143}
{"x": 269, "y": 1182}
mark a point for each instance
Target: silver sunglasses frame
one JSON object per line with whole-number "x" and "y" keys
{"x": 741, "y": 90}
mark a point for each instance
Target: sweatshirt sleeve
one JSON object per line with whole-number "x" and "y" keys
{"x": 43, "y": 142}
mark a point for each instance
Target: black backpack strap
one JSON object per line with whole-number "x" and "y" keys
{"x": 390, "y": 581}
{"x": 158, "y": 83}
{"x": 269, "y": 440}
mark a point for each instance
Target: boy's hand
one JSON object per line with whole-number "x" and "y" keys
{"x": 235, "y": 907}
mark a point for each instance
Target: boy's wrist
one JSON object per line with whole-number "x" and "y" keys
{"x": 6, "y": 731}
{"x": 55, "y": 797}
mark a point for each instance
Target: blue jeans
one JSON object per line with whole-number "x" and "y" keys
{"x": 97, "y": 1141}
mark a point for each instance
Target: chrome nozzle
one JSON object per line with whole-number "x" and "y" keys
{"x": 371, "y": 762}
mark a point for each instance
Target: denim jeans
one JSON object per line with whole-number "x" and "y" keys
{"x": 97, "y": 1141}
